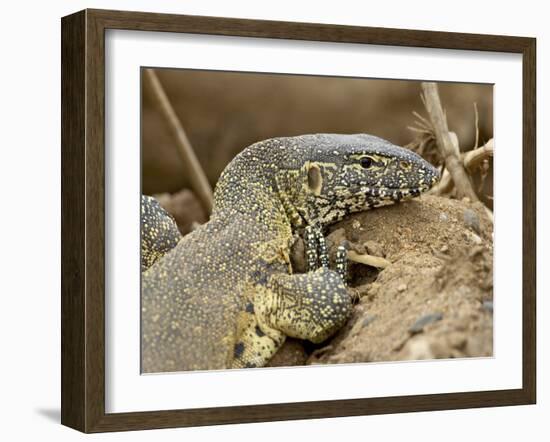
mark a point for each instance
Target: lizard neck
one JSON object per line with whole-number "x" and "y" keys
{"x": 266, "y": 182}
{"x": 248, "y": 188}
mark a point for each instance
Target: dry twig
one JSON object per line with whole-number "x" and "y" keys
{"x": 447, "y": 141}
{"x": 363, "y": 258}
{"x": 197, "y": 177}
{"x": 476, "y": 119}
{"x": 471, "y": 160}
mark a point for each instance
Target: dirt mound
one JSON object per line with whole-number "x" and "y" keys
{"x": 435, "y": 299}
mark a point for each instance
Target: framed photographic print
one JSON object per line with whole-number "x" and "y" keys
{"x": 269, "y": 220}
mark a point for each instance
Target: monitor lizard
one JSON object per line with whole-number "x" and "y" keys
{"x": 225, "y": 295}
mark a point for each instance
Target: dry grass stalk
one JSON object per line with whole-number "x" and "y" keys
{"x": 197, "y": 177}
{"x": 475, "y": 158}
{"x": 476, "y": 120}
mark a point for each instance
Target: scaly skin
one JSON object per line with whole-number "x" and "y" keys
{"x": 226, "y": 296}
{"x": 159, "y": 232}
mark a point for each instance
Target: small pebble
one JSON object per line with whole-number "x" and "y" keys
{"x": 471, "y": 220}
{"x": 402, "y": 287}
{"x": 443, "y": 217}
{"x": 423, "y": 321}
{"x": 368, "y": 320}
{"x": 475, "y": 239}
{"x": 417, "y": 349}
{"x": 475, "y": 251}
{"x": 458, "y": 340}
{"x": 373, "y": 248}
{"x": 444, "y": 248}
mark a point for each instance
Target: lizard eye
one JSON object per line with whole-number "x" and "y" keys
{"x": 366, "y": 162}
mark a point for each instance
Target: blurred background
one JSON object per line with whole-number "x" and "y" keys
{"x": 223, "y": 112}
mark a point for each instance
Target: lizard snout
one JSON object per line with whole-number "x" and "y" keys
{"x": 430, "y": 176}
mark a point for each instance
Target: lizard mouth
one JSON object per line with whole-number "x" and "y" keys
{"x": 400, "y": 193}
{"x": 396, "y": 193}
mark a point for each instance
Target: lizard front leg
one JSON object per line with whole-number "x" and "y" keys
{"x": 310, "y": 306}
{"x": 256, "y": 345}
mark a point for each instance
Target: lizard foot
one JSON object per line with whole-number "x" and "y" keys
{"x": 310, "y": 306}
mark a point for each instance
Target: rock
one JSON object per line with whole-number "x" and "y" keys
{"x": 185, "y": 208}
{"x": 373, "y": 248}
{"x": 471, "y": 220}
{"x": 457, "y": 340}
{"x": 475, "y": 239}
{"x": 336, "y": 237}
{"x": 416, "y": 349}
{"x": 402, "y": 287}
{"x": 291, "y": 353}
{"x": 423, "y": 321}
{"x": 368, "y": 320}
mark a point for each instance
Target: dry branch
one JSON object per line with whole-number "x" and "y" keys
{"x": 447, "y": 142}
{"x": 444, "y": 186}
{"x": 476, "y": 120}
{"x": 471, "y": 160}
{"x": 197, "y": 177}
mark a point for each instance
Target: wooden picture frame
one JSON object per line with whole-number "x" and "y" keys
{"x": 83, "y": 220}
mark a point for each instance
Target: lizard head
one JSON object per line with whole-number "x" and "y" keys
{"x": 342, "y": 174}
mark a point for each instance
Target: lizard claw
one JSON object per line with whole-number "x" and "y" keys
{"x": 323, "y": 251}
{"x": 316, "y": 249}
{"x": 317, "y": 252}
{"x": 342, "y": 260}
{"x": 310, "y": 238}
